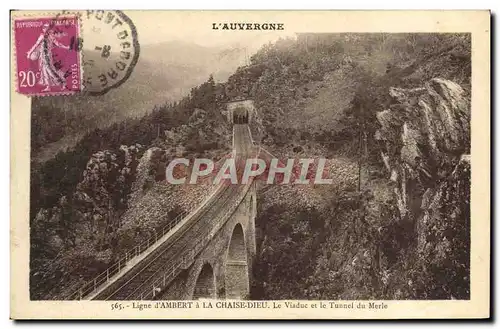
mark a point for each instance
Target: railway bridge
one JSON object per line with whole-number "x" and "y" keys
{"x": 206, "y": 254}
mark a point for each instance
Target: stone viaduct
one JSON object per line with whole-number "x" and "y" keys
{"x": 206, "y": 254}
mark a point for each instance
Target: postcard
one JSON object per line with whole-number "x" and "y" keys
{"x": 250, "y": 164}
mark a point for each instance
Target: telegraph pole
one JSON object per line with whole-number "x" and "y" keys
{"x": 359, "y": 158}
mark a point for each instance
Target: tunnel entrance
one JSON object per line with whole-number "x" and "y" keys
{"x": 240, "y": 110}
{"x": 236, "y": 273}
{"x": 205, "y": 284}
{"x": 240, "y": 116}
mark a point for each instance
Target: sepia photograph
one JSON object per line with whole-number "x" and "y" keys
{"x": 244, "y": 164}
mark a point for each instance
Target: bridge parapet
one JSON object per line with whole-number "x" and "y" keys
{"x": 124, "y": 261}
{"x": 155, "y": 288}
{"x": 131, "y": 258}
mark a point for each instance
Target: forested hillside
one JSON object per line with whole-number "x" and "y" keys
{"x": 351, "y": 98}
{"x": 347, "y": 97}
{"x": 163, "y": 74}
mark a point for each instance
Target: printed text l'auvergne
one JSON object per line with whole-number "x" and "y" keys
{"x": 241, "y": 26}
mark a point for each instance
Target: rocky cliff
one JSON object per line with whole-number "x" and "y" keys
{"x": 426, "y": 139}
{"x": 404, "y": 235}
{"x": 76, "y": 238}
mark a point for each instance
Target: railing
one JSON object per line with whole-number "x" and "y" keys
{"x": 155, "y": 288}
{"x": 172, "y": 271}
{"x": 168, "y": 274}
{"x": 93, "y": 285}
{"x": 183, "y": 262}
{"x": 104, "y": 277}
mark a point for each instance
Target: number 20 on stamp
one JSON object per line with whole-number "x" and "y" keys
{"x": 47, "y": 55}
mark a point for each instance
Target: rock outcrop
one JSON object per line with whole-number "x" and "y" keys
{"x": 102, "y": 195}
{"x": 81, "y": 228}
{"x": 150, "y": 166}
{"x": 94, "y": 209}
{"x": 426, "y": 140}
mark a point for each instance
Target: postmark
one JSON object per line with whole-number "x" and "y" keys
{"x": 111, "y": 50}
{"x": 47, "y": 55}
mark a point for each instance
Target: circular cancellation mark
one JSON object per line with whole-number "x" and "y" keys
{"x": 110, "y": 50}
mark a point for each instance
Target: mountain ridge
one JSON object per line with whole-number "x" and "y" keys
{"x": 164, "y": 74}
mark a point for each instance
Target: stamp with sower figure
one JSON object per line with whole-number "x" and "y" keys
{"x": 55, "y": 56}
{"x": 47, "y": 55}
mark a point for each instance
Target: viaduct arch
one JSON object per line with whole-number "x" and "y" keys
{"x": 236, "y": 271}
{"x": 205, "y": 283}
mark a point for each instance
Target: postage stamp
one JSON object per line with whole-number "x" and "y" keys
{"x": 47, "y": 55}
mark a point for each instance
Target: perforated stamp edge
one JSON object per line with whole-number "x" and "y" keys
{"x": 22, "y": 14}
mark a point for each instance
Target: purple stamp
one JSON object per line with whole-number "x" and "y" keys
{"x": 48, "y": 55}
